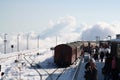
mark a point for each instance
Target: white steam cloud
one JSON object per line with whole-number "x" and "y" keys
{"x": 63, "y": 30}
{"x": 62, "y": 25}
{"x": 100, "y": 29}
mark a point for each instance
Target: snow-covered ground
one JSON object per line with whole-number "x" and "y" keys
{"x": 15, "y": 66}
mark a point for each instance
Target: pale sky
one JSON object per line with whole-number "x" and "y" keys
{"x": 35, "y": 15}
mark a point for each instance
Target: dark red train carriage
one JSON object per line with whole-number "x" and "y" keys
{"x": 115, "y": 51}
{"x": 66, "y": 54}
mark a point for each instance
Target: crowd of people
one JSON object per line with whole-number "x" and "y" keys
{"x": 109, "y": 70}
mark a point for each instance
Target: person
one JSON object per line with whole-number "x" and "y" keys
{"x": 114, "y": 69}
{"x": 90, "y": 61}
{"x": 95, "y": 56}
{"x": 96, "y": 53}
{"x": 91, "y": 71}
{"x": 101, "y": 56}
{"x": 106, "y": 70}
{"x": 107, "y": 54}
{"x": 94, "y": 72}
{"x": 88, "y": 70}
{"x": 88, "y": 75}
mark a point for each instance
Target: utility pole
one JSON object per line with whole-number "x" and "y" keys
{"x": 27, "y": 42}
{"x": 38, "y": 42}
{"x": 12, "y": 46}
{"x": 5, "y": 43}
{"x": 18, "y": 42}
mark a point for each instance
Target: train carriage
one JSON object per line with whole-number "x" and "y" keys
{"x": 115, "y": 51}
{"x": 66, "y": 54}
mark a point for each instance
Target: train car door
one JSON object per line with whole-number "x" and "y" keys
{"x": 62, "y": 56}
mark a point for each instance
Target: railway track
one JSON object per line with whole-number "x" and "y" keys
{"x": 10, "y": 64}
{"x": 45, "y": 74}
{"x": 41, "y": 73}
{"x": 2, "y": 60}
{"x": 17, "y": 55}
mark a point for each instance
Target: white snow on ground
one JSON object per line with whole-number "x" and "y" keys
{"x": 22, "y": 71}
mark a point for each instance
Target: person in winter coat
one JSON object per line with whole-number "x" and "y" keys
{"x": 94, "y": 72}
{"x": 106, "y": 70}
{"x": 91, "y": 71}
{"x": 107, "y": 54}
{"x": 101, "y": 56}
{"x": 95, "y": 56}
{"x": 88, "y": 75}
